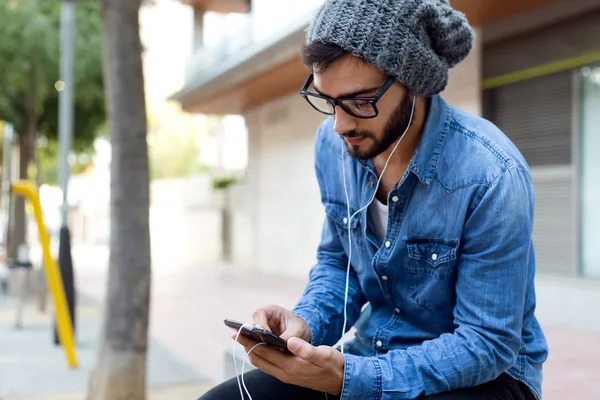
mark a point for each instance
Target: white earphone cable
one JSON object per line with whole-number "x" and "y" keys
{"x": 241, "y": 383}
{"x": 237, "y": 375}
{"x": 350, "y": 217}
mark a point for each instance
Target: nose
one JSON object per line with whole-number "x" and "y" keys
{"x": 343, "y": 122}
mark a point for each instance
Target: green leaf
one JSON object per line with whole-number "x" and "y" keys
{"x": 30, "y": 63}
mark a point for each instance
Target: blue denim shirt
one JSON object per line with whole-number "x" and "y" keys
{"x": 451, "y": 289}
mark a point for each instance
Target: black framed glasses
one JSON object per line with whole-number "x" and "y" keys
{"x": 359, "y": 107}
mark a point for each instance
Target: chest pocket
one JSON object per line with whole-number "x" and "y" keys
{"x": 431, "y": 267}
{"x": 338, "y": 213}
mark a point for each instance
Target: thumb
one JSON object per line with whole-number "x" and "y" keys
{"x": 320, "y": 356}
{"x": 301, "y": 349}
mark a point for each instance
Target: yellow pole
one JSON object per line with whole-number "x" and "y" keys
{"x": 53, "y": 278}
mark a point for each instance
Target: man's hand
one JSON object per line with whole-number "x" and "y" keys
{"x": 318, "y": 368}
{"x": 281, "y": 322}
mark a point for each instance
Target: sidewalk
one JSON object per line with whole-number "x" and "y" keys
{"x": 32, "y": 367}
{"x": 174, "y": 392}
{"x": 189, "y": 340}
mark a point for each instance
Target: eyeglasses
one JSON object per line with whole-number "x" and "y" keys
{"x": 359, "y": 107}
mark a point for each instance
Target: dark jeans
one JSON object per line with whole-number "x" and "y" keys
{"x": 264, "y": 387}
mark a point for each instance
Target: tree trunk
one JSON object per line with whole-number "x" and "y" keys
{"x": 19, "y": 226}
{"x": 26, "y": 151}
{"x": 120, "y": 371}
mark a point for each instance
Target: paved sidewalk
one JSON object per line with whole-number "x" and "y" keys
{"x": 31, "y": 366}
{"x": 173, "y": 392}
{"x": 189, "y": 303}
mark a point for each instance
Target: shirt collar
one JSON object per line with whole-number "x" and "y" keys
{"x": 424, "y": 161}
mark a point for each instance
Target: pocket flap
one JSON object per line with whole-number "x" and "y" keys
{"x": 339, "y": 213}
{"x": 434, "y": 251}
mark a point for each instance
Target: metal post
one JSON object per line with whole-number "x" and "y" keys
{"x": 65, "y": 138}
{"x": 6, "y": 177}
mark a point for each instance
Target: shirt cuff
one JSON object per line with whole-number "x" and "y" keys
{"x": 314, "y": 320}
{"x": 362, "y": 378}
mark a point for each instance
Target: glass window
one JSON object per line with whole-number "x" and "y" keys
{"x": 590, "y": 171}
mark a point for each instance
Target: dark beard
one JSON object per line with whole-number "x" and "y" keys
{"x": 394, "y": 128}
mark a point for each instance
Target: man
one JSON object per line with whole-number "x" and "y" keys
{"x": 428, "y": 207}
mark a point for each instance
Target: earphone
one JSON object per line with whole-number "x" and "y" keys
{"x": 350, "y": 217}
{"x": 237, "y": 376}
{"x": 241, "y": 382}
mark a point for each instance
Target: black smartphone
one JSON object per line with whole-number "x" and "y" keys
{"x": 259, "y": 335}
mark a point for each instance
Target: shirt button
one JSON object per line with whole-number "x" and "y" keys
{"x": 379, "y": 343}
{"x": 345, "y": 221}
{"x": 388, "y": 244}
{"x": 372, "y": 184}
{"x": 397, "y": 310}
{"x": 434, "y": 257}
{"x": 395, "y": 199}
{"x": 385, "y": 277}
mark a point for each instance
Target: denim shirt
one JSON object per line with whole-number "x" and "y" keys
{"x": 451, "y": 288}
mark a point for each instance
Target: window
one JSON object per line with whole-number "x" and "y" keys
{"x": 590, "y": 170}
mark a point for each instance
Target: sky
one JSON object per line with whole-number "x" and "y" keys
{"x": 166, "y": 31}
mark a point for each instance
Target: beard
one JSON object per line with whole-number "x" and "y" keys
{"x": 395, "y": 127}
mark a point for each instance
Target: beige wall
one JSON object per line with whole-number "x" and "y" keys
{"x": 464, "y": 86}
{"x": 276, "y": 213}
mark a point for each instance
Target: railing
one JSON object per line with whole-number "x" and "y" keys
{"x": 249, "y": 35}
{"x": 204, "y": 59}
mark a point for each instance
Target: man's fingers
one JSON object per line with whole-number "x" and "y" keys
{"x": 266, "y": 366}
{"x": 244, "y": 341}
{"x": 270, "y": 354}
{"x": 261, "y": 319}
{"x": 317, "y": 355}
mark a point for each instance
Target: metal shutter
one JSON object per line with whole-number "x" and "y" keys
{"x": 537, "y": 116}
{"x": 554, "y": 226}
{"x": 559, "y": 41}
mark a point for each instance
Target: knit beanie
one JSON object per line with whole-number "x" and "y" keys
{"x": 414, "y": 41}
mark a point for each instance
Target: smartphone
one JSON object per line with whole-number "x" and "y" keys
{"x": 259, "y": 335}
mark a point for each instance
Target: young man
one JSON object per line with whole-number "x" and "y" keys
{"x": 429, "y": 214}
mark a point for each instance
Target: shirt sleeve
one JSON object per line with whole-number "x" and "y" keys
{"x": 490, "y": 298}
{"x": 322, "y": 303}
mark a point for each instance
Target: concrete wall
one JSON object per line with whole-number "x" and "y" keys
{"x": 276, "y": 213}
{"x": 186, "y": 221}
{"x": 464, "y": 86}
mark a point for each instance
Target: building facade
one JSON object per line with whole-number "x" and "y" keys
{"x": 534, "y": 71}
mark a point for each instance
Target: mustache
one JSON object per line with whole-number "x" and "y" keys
{"x": 358, "y": 135}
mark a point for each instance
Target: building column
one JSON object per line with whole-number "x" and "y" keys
{"x": 198, "y": 28}
{"x": 464, "y": 85}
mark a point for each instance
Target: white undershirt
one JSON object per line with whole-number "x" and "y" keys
{"x": 378, "y": 214}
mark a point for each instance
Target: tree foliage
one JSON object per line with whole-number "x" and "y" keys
{"x": 173, "y": 143}
{"x": 29, "y": 67}
{"x": 29, "y": 71}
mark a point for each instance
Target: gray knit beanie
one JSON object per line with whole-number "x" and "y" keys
{"x": 414, "y": 41}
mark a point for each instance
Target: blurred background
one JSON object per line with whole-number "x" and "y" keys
{"x": 235, "y": 213}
